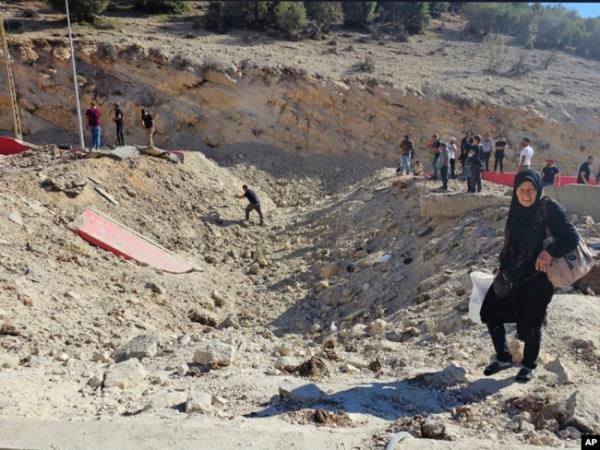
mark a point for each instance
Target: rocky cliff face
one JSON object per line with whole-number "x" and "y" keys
{"x": 217, "y": 105}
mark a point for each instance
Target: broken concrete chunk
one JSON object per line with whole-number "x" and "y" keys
{"x": 583, "y": 409}
{"x": 559, "y": 368}
{"x": 300, "y": 392}
{"x": 143, "y": 346}
{"x": 200, "y": 402}
{"x": 125, "y": 374}
{"x": 214, "y": 354}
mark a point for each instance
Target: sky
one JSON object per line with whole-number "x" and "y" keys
{"x": 584, "y": 9}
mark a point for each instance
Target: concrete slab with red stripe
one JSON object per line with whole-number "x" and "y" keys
{"x": 104, "y": 232}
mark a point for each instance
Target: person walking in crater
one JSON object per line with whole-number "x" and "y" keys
{"x": 521, "y": 291}
{"x": 253, "y": 203}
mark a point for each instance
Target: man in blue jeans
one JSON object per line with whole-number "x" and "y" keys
{"x": 93, "y": 115}
{"x": 406, "y": 149}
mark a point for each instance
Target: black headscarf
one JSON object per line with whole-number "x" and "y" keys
{"x": 519, "y": 214}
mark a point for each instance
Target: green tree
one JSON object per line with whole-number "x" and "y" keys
{"x": 223, "y": 15}
{"x": 411, "y": 16}
{"x": 291, "y": 18}
{"x": 358, "y": 13}
{"x": 162, "y": 6}
{"x": 214, "y": 20}
{"x": 81, "y": 10}
{"x": 437, "y": 8}
{"x": 323, "y": 14}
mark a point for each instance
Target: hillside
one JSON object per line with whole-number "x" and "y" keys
{"x": 341, "y": 323}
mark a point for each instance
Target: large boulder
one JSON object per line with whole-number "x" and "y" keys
{"x": 583, "y": 409}
{"x": 143, "y": 346}
{"x": 125, "y": 374}
{"x": 214, "y": 354}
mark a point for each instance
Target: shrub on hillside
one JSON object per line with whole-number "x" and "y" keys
{"x": 162, "y": 6}
{"x": 81, "y": 10}
{"x": 323, "y": 14}
{"x": 437, "y": 8}
{"x": 214, "y": 20}
{"x": 223, "y": 15}
{"x": 358, "y": 13}
{"x": 291, "y": 18}
{"x": 410, "y": 16}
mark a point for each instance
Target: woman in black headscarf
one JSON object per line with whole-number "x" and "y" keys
{"x": 521, "y": 291}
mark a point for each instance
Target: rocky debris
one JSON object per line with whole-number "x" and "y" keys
{"x": 254, "y": 268}
{"x": 214, "y": 354}
{"x": 124, "y": 374}
{"x": 165, "y": 400}
{"x": 101, "y": 357}
{"x": 96, "y": 381}
{"x": 314, "y": 368}
{"x": 182, "y": 369}
{"x": 203, "y": 317}
{"x": 15, "y": 217}
{"x": 328, "y": 271}
{"x": 297, "y": 391}
{"x": 433, "y": 428}
{"x": 68, "y": 183}
{"x": 8, "y": 329}
{"x": 377, "y": 327}
{"x": 450, "y": 205}
{"x": 199, "y": 402}
{"x": 332, "y": 419}
{"x": 558, "y": 367}
{"x": 583, "y": 409}
{"x": 143, "y": 346}
{"x": 452, "y": 375}
{"x": 219, "y": 298}
{"x": 8, "y": 361}
{"x": 155, "y": 287}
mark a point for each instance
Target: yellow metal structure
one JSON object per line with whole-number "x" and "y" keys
{"x": 11, "y": 81}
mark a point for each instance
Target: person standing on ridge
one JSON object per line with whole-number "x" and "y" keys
{"x": 499, "y": 155}
{"x": 521, "y": 290}
{"x": 119, "y": 124}
{"x": 406, "y": 149}
{"x": 253, "y": 203}
{"x": 452, "y": 155}
{"x": 583, "y": 176}
{"x": 465, "y": 144}
{"x": 94, "y": 123}
{"x": 475, "y": 162}
{"x": 148, "y": 124}
{"x": 434, "y": 146}
{"x": 551, "y": 174}
{"x": 444, "y": 165}
{"x": 488, "y": 145}
{"x": 526, "y": 155}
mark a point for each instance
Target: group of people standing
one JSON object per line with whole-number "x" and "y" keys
{"x": 474, "y": 155}
{"x": 94, "y": 124}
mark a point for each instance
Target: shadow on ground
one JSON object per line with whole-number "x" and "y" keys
{"x": 388, "y": 401}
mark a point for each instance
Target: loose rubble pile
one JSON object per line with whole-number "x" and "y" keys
{"x": 347, "y": 311}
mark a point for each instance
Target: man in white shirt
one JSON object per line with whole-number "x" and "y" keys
{"x": 488, "y": 146}
{"x": 526, "y": 155}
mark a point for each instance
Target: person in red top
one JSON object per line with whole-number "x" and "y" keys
{"x": 93, "y": 115}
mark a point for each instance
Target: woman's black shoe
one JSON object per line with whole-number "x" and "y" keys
{"x": 496, "y": 367}
{"x": 524, "y": 375}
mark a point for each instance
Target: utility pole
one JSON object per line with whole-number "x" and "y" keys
{"x": 80, "y": 123}
{"x": 11, "y": 82}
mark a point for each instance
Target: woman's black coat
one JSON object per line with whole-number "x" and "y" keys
{"x": 527, "y": 303}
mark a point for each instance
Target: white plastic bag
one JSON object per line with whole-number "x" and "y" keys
{"x": 481, "y": 285}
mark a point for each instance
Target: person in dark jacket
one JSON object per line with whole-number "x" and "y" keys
{"x": 253, "y": 203}
{"x": 474, "y": 164}
{"x": 521, "y": 290}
